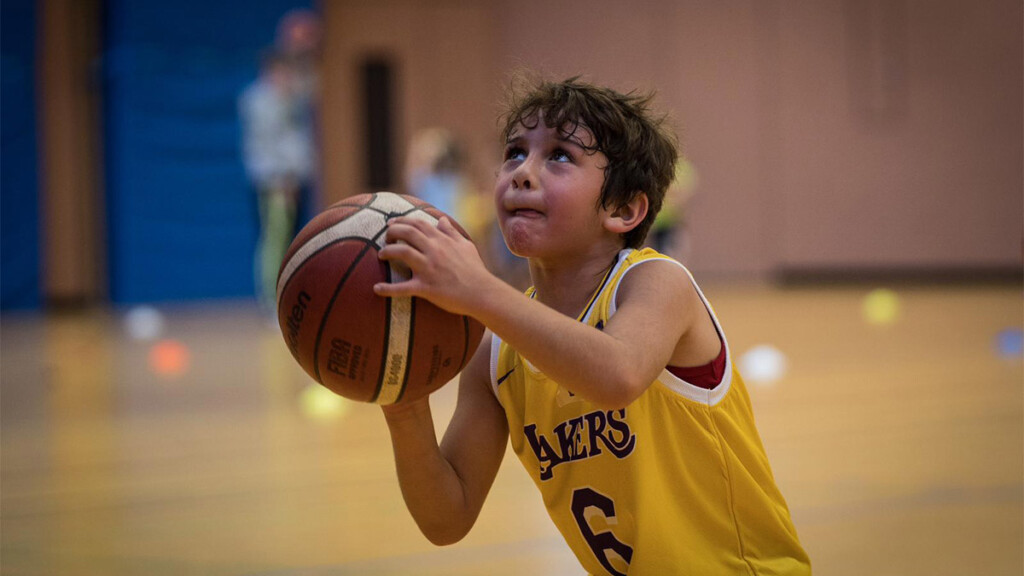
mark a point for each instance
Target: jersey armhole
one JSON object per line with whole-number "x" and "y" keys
{"x": 668, "y": 379}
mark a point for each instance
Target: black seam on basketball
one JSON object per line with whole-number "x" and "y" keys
{"x": 383, "y": 212}
{"x": 465, "y": 340}
{"x": 414, "y": 208}
{"x": 317, "y": 251}
{"x": 330, "y": 305}
{"x": 330, "y": 208}
{"x": 408, "y": 348}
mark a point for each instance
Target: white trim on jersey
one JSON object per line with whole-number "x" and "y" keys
{"x": 670, "y": 380}
{"x": 495, "y": 349}
{"x": 619, "y": 261}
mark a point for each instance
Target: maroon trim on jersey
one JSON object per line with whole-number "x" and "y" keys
{"x": 706, "y": 376}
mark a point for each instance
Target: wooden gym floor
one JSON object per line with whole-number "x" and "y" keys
{"x": 899, "y": 447}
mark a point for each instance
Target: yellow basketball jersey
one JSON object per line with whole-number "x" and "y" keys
{"x": 675, "y": 483}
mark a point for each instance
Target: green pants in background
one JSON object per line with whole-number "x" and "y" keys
{"x": 277, "y": 225}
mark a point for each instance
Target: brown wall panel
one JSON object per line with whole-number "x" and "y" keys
{"x": 70, "y": 155}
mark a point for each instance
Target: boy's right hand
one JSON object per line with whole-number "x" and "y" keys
{"x": 446, "y": 267}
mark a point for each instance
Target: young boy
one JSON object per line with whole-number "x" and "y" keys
{"x": 611, "y": 375}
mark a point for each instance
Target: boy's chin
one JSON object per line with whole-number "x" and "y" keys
{"x": 518, "y": 247}
{"x": 517, "y": 238}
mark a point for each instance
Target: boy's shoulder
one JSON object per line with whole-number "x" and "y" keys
{"x": 640, "y": 271}
{"x": 630, "y": 261}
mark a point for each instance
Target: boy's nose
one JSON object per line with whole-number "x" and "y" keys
{"x": 521, "y": 177}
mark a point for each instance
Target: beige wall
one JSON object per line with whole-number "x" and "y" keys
{"x": 908, "y": 152}
{"x": 443, "y": 59}
{"x": 836, "y": 134}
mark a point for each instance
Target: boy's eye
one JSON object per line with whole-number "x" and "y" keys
{"x": 560, "y": 155}
{"x": 514, "y": 153}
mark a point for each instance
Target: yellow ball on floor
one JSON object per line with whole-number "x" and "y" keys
{"x": 319, "y": 403}
{"x": 881, "y": 307}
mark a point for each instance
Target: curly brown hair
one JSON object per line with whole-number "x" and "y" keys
{"x": 640, "y": 148}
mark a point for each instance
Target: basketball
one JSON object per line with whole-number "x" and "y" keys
{"x": 360, "y": 345}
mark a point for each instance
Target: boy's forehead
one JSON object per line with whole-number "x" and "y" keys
{"x": 570, "y": 131}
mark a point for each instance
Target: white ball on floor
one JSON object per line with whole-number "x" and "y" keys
{"x": 763, "y": 364}
{"x": 144, "y": 323}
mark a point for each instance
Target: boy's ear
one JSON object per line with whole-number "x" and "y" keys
{"x": 628, "y": 216}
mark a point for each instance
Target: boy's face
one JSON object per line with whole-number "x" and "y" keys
{"x": 547, "y": 192}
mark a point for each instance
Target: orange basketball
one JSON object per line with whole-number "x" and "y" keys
{"x": 360, "y": 345}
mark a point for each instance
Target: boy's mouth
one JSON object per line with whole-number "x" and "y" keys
{"x": 526, "y": 213}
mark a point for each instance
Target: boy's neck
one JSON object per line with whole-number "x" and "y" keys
{"x": 567, "y": 286}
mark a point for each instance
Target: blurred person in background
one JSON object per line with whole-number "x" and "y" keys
{"x": 279, "y": 141}
{"x": 434, "y": 170}
{"x": 279, "y": 153}
{"x": 299, "y": 35}
{"x": 669, "y": 234}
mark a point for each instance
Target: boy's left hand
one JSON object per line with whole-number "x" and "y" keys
{"x": 446, "y": 266}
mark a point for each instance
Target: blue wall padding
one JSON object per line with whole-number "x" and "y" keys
{"x": 19, "y": 182}
{"x": 182, "y": 218}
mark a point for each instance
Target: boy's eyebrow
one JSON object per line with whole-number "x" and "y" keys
{"x": 567, "y": 138}
{"x": 571, "y": 139}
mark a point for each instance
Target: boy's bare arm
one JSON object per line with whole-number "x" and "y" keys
{"x": 610, "y": 367}
{"x": 444, "y": 486}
